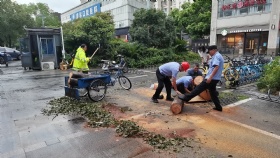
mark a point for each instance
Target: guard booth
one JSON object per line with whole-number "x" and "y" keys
{"x": 41, "y": 49}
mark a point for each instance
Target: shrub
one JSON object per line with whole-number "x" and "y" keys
{"x": 139, "y": 56}
{"x": 271, "y": 76}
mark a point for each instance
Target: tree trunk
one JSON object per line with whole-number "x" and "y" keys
{"x": 177, "y": 106}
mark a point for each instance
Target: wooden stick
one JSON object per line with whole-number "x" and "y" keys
{"x": 177, "y": 106}
{"x": 94, "y": 52}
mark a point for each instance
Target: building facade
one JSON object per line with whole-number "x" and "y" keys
{"x": 122, "y": 11}
{"x": 245, "y": 27}
{"x": 168, "y": 5}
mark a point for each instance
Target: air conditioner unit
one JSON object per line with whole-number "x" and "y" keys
{"x": 47, "y": 65}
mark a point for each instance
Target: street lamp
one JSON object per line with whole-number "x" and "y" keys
{"x": 42, "y": 16}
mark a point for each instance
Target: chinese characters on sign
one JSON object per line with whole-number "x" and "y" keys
{"x": 242, "y": 4}
{"x": 86, "y": 12}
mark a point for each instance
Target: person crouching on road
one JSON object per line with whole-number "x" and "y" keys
{"x": 212, "y": 78}
{"x": 81, "y": 61}
{"x": 164, "y": 73}
{"x": 194, "y": 71}
{"x": 185, "y": 84}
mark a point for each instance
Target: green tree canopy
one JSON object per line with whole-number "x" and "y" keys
{"x": 14, "y": 17}
{"x": 41, "y": 11}
{"x": 153, "y": 28}
{"x": 194, "y": 18}
{"x": 98, "y": 29}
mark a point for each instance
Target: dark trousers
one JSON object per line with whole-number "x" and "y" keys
{"x": 162, "y": 81}
{"x": 181, "y": 88}
{"x": 203, "y": 86}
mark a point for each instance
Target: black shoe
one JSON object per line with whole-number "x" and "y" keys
{"x": 161, "y": 97}
{"x": 218, "y": 109}
{"x": 154, "y": 100}
{"x": 169, "y": 99}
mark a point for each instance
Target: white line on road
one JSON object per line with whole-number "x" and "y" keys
{"x": 149, "y": 71}
{"x": 238, "y": 103}
{"x": 248, "y": 127}
{"x": 138, "y": 76}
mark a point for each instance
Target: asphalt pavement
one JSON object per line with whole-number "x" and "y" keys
{"x": 246, "y": 129}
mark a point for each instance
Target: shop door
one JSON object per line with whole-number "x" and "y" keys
{"x": 252, "y": 43}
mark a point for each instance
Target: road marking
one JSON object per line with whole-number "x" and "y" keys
{"x": 248, "y": 127}
{"x": 138, "y": 76}
{"x": 238, "y": 103}
{"x": 148, "y": 71}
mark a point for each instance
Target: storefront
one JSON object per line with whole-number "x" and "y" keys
{"x": 243, "y": 42}
{"x": 245, "y": 27}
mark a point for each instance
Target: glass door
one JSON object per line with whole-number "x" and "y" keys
{"x": 252, "y": 43}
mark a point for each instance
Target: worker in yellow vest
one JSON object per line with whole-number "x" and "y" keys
{"x": 81, "y": 61}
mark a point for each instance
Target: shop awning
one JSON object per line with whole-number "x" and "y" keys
{"x": 244, "y": 29}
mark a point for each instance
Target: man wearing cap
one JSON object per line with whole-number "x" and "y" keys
{"x": 211, "y": 79}
{"x": 185, "y": 84}
{"x": 164, "y": 73}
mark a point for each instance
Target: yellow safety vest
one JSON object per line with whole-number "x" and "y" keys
{"x": 80, "y": 61}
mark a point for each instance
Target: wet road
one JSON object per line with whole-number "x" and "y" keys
{"x": 250, "y": 129}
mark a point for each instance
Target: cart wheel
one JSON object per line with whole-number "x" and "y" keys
{"x": 124, "y": 82}
{"x": 97, "y": 90}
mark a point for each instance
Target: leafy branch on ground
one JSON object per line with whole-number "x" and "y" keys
{"x": 97, "y": 116}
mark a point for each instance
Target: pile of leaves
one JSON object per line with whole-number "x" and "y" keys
{"x": 97, "y": 116}
{"x": 93, "y": 112}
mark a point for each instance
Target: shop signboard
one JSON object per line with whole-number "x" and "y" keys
{"x": 242, "y": 4}
{"x": 246, "y": 30}
{"x": 224, "y": 32}
{"x": 90, "y": 11}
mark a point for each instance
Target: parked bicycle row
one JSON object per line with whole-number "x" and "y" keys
{"x": 242, "y": 70}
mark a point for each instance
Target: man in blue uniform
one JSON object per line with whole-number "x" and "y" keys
{"x": 184, "y": 84}
{"x": 194, "y": 71}
{"x": 164, "y": 73}
{"x": 212, "y": 78}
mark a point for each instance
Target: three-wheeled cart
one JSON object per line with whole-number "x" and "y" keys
{"x": 95, "y": 86}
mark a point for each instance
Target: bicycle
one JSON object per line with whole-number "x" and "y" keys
{"x": 229, "y": 72}
{"x": 204, "y": 70}
{"x": 124, "y": 82}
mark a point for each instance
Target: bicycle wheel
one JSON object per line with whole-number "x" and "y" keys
{"x": 231, "y": 73}
{"x": 124, "y": 82}
{"x": 97, "y": 90}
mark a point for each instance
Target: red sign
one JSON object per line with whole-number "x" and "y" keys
{"x": 242, "y": 4}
